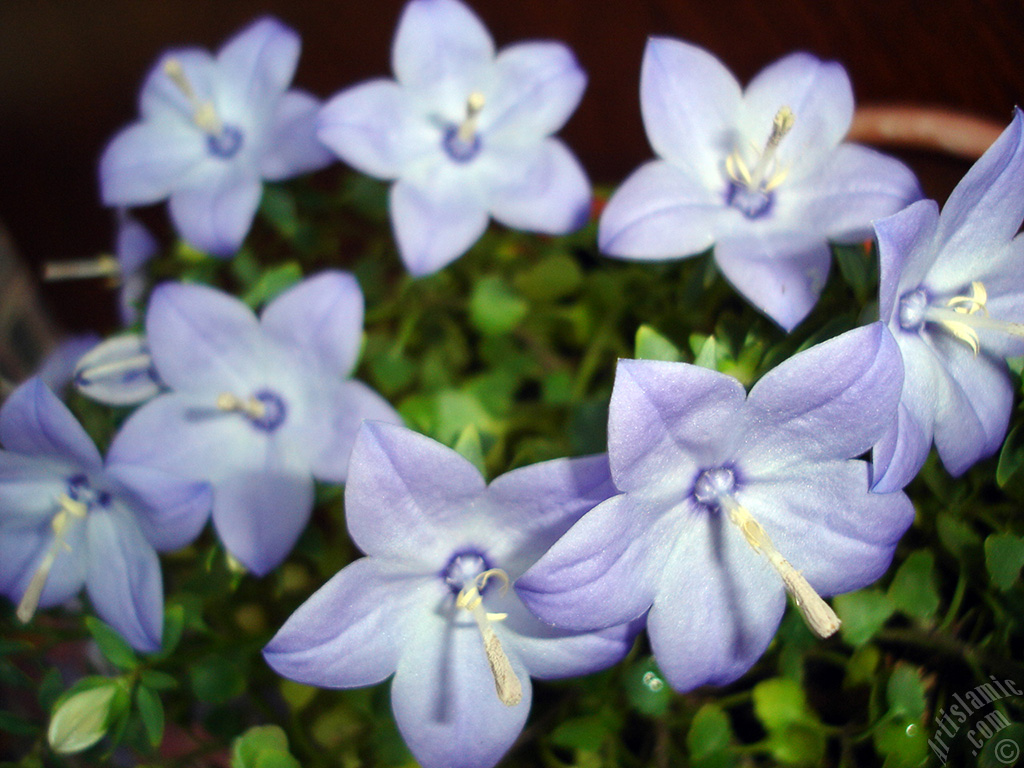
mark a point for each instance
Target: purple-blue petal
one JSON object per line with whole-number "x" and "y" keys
{"x": 35, "y": 422}
{"x": 256, "y": 65}
{"x": 291, "y": 146}
{"x": 124, "y": 580}
{"x": 438, "y": 40}
{"x": 905, "y": 252}
{"x": 216, "y": 216}
{"x": 900, "y": 453}
{"x": 146, "y": 162}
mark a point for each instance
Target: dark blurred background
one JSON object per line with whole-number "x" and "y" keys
{"x": 71, "y": 71}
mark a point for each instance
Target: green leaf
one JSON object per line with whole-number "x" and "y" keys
{"x": 277, "y": 759}
{"x": 272, "y": 283}
{"x": 860, "y": 669}
{"x": 216, "y": 679}
{"x": 651, "y": 345}
{"x": 956, "y": 535}
{"x": 152, "y": 712}
{"x": 278, "y": 207}
{"x": 863, "y": 613}
{"x": 780, "y": 702}
{"x": 247, "y": 748}
{"x": 586, "y": 732}
{"x": 1010, "y": 470}
{"x": 1003, "y": 749}
{"x": 646, "y": 689}
{"x": 158, "y": 681}
{"x": 17, "y": 726}
{"x": 858, "y": 269}
{"x": 710, "y": 732}
{"x": 494, "y": 308}
{"x": 111, "y": 644}
{"x": 707, "y": 356}
{"x": 904, "y": 744}
{"x": 83, "y": 717}
{"x": 174, "y": 623}
{"x": 554, "y": 277}
{"x": 905, "y": 693}
{"x": 1004, "y": 557}
{"x": 797, "y": 744}
{"x": 470, "y": 447}
{"x": 913, "y": 589}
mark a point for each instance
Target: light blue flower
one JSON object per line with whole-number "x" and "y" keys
{"x": 465, "y": 134}
{"x": 212, "y": 129}
{"x": 68, "y": 520}
{"x": 133, "y": 248}
{"x": 729, "y": 501}
{"x": 430, "y": 603}
{"x": 952, "y": 291}
{"x": 259, "y": 407}
{"x": 759, "y": 174}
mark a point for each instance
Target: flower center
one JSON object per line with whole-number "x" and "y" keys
{"x": 222, "y": 140}
{"x": 751, "y": 188}
{"x": 266, "y": 410}
{"x": 715, "y": 488}
{"x": 463, "y": 569}
{"x": 962, "y": 316}
{"x": 469, "y": 598}
{"x": 73, "y": 505}
{"x": 462, "y": 141}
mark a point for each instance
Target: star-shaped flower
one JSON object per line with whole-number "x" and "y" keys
{"x": 259, "y": 407}
{"x": 465, "y": 134}
{"x": 759, "y": 174}
{"x": 68, "y": 520}
{"x": 430, "y": 603}
{"x": 728, "y": 501}
{"x": 952, "y": 292}
{"x": 212, "y": 129}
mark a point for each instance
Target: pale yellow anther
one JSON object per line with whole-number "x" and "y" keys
{"x": 818, "y": 615}
{"x": 251, "y": 407}
{"x": 82, "y": 269}
{"x": 474, "y": 105}
{"x": 204, "y": 115}
{"x": 506, "y": 683}
{"x": 69, "y": 508}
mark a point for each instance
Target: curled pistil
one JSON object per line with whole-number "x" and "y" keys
{"x": 507, "y": 685}
{"x": 70, "y": 509}
{"x": 818, "y": 615}
{"x": 963, "y": 316}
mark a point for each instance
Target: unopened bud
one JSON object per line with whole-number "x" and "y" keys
{"x": 81, "y": 720}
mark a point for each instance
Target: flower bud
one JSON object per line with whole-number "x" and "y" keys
{"x": 82, "y": 719}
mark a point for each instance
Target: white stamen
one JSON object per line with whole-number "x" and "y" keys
{"x": 964, "y": 316}
{"x": 819, "y": 616}
{"x": 467, "y": 128}
{"x": 82, "y": 269}
{"x": 61, "y": 522}
{"x": 755, "y": 179}
{"x": 204, "y": 115}
{"x": 252, "y": 407}
{"x": 510, "y": 690}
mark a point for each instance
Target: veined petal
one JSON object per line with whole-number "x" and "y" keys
{"x": 659, "y": 212}
{"x": 406, "y": 493}
{"x": 541, "y": 188}
{"x": 538, "y": 85}
{"x": 146, "y": 161}
{"x": 781, "y": 274}
{"x": 332, "y": 434}
{"x": 33, "y": 421}
{"x": 438, "y": 40}
{"x": 667, "y": 421}
{"x": 832, "y": 401}
{"x": 985, "y": 209}
{"x": 601, "y": 573}
{"x": 550, "y": 653}
{"x": 202, "y": 339}
{"x": 350, "y": 632}
{"x": 291, "y": 146}
{"x": 853, "y": 187}
{"x": 30, "y": 487}
{"x": 22, "y": 552}
{"x": 443, "y": 693}
{"x": 124, "y": 580}
{"x": 256, "y": 66}
{"x": 538, "y": 503}
{"x": 434, "y": 227}
{"x": 216, "y": 216}
{"x": 900, "y": 453}
{"x": 372, "y": 127}
{"x": 690, "y": 104}
{"x": 819, "y": 95}
{"x": 170, "y": 510}
{"x": 971, "y": 422}
{"x": 822, "y": 519}
{"x": 260, "y": 509}
{"x": 322, "y": 318}
{"x": 905, "y": 253}
{"x": 717, "y": 606}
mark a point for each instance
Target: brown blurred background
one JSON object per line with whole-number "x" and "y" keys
{"x": 71, "y": 71}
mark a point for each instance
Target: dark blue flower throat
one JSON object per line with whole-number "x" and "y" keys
{"x": 457, "y": 148}
{"x": 226, "y": 143}
{"x": 752, "y": 203}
